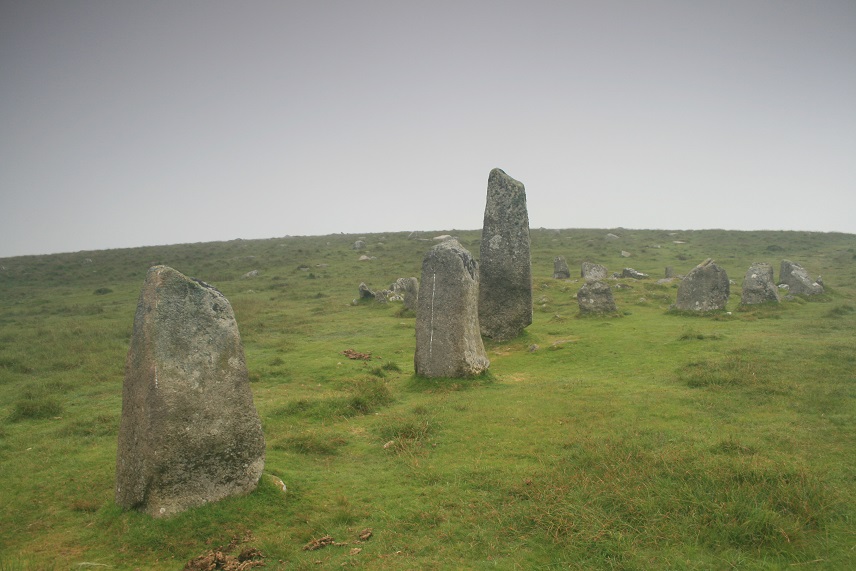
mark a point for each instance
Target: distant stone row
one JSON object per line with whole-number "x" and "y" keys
{"x": 705, "y": 288}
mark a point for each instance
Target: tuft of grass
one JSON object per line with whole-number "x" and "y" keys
{"x": 609, "y": 499}
{"x": 313, "y": 442}
{"x": 736, "y": 369}
{"x": 406, "y": 434}
{"x": 36, "y": 402}
{"x": 365, "y": 396}
{"x": 841, "y": 310}
{"x": 691, "y": 334}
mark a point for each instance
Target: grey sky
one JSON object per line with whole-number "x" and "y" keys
{"x": 127, "y": 123}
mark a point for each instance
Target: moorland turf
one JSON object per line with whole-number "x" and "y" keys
{"x": 645, "y": 440}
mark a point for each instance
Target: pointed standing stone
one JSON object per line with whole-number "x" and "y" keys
{"x": 796, "y": 278}
{"x": 448, "y": 343}
{"x": 189, "y": 432}
{"x": 505, "y": 290}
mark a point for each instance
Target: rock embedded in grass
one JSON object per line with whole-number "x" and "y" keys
{"x": 189, "y": 432}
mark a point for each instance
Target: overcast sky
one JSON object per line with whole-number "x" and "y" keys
{"x": 131, "y": 123}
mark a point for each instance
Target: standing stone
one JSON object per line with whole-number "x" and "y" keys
{"x": 409, "y": 289}
{"x": 758, "y": 285}
{"x": 448, "y": 342}
{"x": 505, "y": 293}
{"x": 560, "y": 268}
{"x": 590, "y": 271}
{"x": 595, "y": 297}
{"x": 796, "y": 278}
{"x": 189, "y": 432}
{"x": 670, "y": 272}
{"x": 705, "y": 288}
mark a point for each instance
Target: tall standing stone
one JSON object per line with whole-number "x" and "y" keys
{"x": 758, "y": 285}
{"x": 189, "y": 432}
{"x": 796, "y": 278}
{"x": 705, "y": 288}
{"x": 505, "y": 292}
{"x": 448, "y": 342}
{"x": 560, "y": 268}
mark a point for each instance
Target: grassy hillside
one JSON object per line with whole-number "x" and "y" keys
{"x": 650, "y": 440}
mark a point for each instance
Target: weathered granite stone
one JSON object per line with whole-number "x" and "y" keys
{"x": 408, "y": 289}
{"x": 189, "y": 432}
{"x": 365, "y": 291}
{"x": 631, "y": 273}
{"x": 359, "y": 245}
{"x": 758, "y": 285}
{"x": 560, "y": 268}
{"x": 590, "y": 271}
{"x": 595, "y": 297}
{"x": 670, "y": 272}
{"x": 705, "y": 288}
{"x": 505, "y": 290}
{"x": 796, "y": 278}
{"x": 448, "y": 341}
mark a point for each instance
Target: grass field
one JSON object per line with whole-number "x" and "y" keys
{"x": 648, "y": 440}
